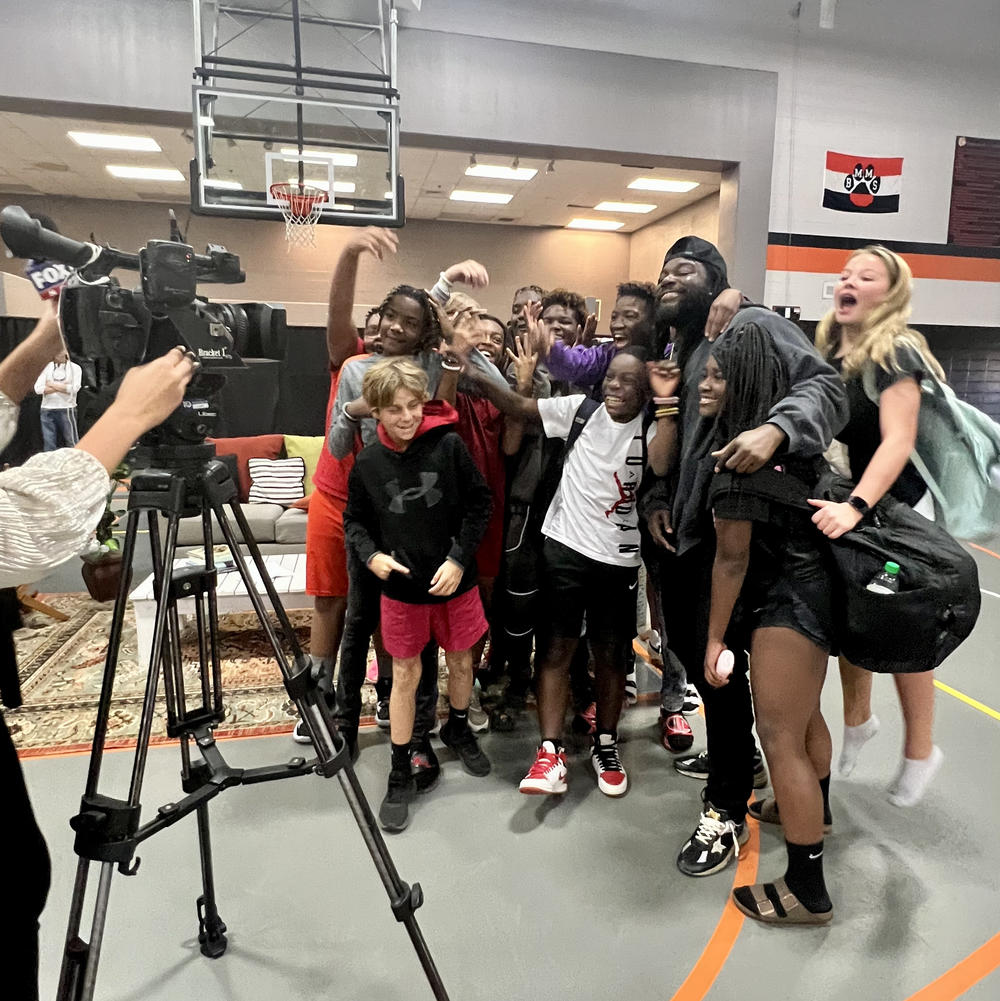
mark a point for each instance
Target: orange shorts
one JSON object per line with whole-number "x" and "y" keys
{"x": 326, "y": 554}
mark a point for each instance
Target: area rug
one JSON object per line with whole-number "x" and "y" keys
{"x": 61, "y": 666}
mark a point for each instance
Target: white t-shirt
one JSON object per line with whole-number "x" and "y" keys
{"x": 593, "y": 511}
{"x": 67, "y": 372}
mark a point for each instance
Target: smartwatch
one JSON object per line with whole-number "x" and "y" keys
{"x": 859, "y": 504}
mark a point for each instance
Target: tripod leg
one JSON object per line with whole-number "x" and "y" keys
{"x": 211, "y": 928}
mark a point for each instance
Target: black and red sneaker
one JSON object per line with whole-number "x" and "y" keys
{"x": 676, "y": 734}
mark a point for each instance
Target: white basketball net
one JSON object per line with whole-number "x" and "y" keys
{"x": 301, "y": 206}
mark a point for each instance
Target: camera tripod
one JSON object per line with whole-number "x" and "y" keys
{"x": 108, "y": 830}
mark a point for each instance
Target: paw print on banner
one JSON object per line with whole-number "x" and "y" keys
{"x": 863, "y": 180}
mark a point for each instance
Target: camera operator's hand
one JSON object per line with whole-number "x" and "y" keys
{"x": 373, "y": 240}
{"x": 147, "y": 396}
{"x": 470, "y": 273}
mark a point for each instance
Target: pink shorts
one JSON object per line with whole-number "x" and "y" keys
{"x": 455, "y": 624}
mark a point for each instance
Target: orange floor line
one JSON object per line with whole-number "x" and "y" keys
{"x": 699, "y": 981}
{"x": 983, "y": 549}
{"x": 963, "y": 975}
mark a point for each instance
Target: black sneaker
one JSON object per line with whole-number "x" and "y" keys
{"x": 382, "y": 713}
{"x": 465, "y": 745}
{"x": 424, "y": 767}
{"x": 300, "y": 734}
{"x": 695, "y": 766}
{"x": 394, "y": 813}
{"x": 714, "y": 844}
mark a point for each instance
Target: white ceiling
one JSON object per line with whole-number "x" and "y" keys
{"x": 37, "y": 157}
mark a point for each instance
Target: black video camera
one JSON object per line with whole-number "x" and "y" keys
{"x": 108, "y": 328}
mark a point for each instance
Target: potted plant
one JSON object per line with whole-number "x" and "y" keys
{"x": 102, "y": 565}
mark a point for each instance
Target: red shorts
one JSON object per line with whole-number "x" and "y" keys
{"x": 326, "y": 555}
{"x": 455, "y": 624}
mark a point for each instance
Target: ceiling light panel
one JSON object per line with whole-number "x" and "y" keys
{"x": 337, "y": 159}
{"x": 105, "y": 140}
{"x": 639, "y": 207}
{"x": 594, "y": 224}
{"x": 484, "y": 197}
{"x": 129, "y": 173}
{"x": 501, "y": 173}
{"x": 656, "y": 184}
{"x": 344, "y": 187}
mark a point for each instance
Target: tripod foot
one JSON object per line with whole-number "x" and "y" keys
{"x": 211, "y": 932}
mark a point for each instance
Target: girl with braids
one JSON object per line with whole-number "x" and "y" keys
{"x": 867, "y": 332}
{"x": 769, "y": 579}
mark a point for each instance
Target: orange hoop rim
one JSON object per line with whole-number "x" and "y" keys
{"x": 300, "y": 200}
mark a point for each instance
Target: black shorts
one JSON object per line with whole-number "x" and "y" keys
{"x": 575, "y": 586}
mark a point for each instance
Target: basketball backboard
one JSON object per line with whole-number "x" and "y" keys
{"x": 297, "y": 94}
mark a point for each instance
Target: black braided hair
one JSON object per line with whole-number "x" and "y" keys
{"x": 756, "y": 379}
{"x": 430, "y": 337}
{"x": 572, "y": 301}
{"x": 374, "y": 311}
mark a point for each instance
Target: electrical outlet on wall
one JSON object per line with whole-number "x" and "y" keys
{"x": 828, "y": 290}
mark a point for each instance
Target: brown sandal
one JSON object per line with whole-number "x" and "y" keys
{"x": 765, "y": 811}
{"x": 780, "y": 907}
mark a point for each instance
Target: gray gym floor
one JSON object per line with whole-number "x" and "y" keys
{"x": 530, "y": 899}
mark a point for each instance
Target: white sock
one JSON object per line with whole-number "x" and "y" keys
{"x": 855, "y": 737}
{"x": 914, "y": 778}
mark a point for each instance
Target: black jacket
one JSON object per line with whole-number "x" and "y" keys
{"x": 420, "y": 506}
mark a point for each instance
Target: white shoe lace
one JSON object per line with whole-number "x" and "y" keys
{"x": 710, "y": 829}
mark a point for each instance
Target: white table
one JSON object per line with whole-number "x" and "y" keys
{"x": 288, "y": 573}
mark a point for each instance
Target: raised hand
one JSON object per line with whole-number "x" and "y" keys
{"x": 470, "y": 273}
{"x": 373, "y": 240}
{"x": 524, "y": 360}
{"x": 541, "y": 338}
{"x": 664, "y": 377}
{"x": 589, "y": 330}
{"x": 458, "y": 330}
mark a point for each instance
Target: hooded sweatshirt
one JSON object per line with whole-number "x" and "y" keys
{"x": 421, "y": 505}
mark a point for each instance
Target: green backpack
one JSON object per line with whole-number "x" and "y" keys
{"x": 957, "y": 454}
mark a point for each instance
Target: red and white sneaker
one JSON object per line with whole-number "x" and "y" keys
{"x": 547, "y": 776}
{"x": 585, "y": 721}
{"x": 611, "y": 777}
{"x": 676, "y": 734}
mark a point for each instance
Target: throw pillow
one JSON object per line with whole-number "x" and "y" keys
{"x": 310, "y": 449}
{"x": 264, "y": 446}
{"x": 277, "y": 481}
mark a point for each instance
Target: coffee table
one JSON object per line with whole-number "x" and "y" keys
{"x": 287, "y": 571}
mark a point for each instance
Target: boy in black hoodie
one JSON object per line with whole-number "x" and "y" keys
{"x": 417, "y": 508}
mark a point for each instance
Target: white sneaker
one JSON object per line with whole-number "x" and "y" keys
{"x": 479, "y": 720}
{"x": 547, "y": 776}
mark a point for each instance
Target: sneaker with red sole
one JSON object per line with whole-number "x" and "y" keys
{"x": 676, "y": 734}
{"x": 611, "y": 777}
{"x": 547, "y": 776}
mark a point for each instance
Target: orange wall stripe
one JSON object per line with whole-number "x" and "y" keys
{"x": 830, "y": 261}
{"x": 963, "y": 975}
{"x": 710, "y": 963}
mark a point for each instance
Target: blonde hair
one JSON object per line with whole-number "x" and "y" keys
{"x": 885, "y": 328}
{"x": 386, "y": 377}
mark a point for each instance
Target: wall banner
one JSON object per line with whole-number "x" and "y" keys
{"x": 862, "y": 183}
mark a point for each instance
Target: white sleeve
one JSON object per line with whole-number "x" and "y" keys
{"x": 557, "y": 414}
{"x": 49, "y": 508}
{"x": 41, "y": 380}
{"x": 8, "y": 420}
{"x": 76, "y": 379}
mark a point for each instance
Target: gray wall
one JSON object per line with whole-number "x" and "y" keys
{"x": 133, "y": 59}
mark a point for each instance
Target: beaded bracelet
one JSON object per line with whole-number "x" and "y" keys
{"x": 661, "y": 412}
{"x": 666, "y": 401}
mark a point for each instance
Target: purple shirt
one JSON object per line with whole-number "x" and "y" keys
{"x": 579, "y": 365}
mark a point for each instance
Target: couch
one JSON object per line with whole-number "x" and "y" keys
{"x": 277, "y": 528}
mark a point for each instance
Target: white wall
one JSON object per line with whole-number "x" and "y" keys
{"x": 649, "y": 243}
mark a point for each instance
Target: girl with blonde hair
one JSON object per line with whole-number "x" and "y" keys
{"x": 867, "y": 332}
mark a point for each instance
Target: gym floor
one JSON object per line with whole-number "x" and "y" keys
{"x": 530, "y": 898}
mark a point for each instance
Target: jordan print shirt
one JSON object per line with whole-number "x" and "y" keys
{"x": 594, "y": 510}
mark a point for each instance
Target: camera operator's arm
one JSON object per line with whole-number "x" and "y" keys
{"x": 50, "y": 505}
{"x": 20, "y": 369}
{"x": 341, "y": 334}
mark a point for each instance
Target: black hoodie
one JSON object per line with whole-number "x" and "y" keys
{"x": 422, "y": 505}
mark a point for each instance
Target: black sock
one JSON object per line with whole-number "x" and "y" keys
{"x": 400, "y": 757}
{"x": 805, "y": 876}
{"x": 458, "y": 719}
{"x": 824, "y": 785}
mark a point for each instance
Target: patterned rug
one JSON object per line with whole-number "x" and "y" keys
{"x": 61, "y": 666}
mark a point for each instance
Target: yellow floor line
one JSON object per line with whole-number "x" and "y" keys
{"x": 969, "y": 701}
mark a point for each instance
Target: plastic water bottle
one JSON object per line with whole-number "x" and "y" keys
{"x": 886, "y": 581}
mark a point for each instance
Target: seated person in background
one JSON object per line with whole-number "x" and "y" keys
{"x": 590, "y": 562}
{"x": 57, "y": 386}
{"x": 416, "y": 512}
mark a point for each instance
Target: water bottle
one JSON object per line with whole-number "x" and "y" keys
{"x": 886, "y": 581}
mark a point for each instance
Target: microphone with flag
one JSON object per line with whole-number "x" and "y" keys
{"x": 862, "y": 183}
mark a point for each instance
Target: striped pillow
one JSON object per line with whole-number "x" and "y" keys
{"x": 277, "y": 481}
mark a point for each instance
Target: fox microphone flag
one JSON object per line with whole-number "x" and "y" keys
{"x": 862, "y": 183}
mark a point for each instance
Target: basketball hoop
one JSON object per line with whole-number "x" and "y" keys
{"x": 301, "y": 205}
